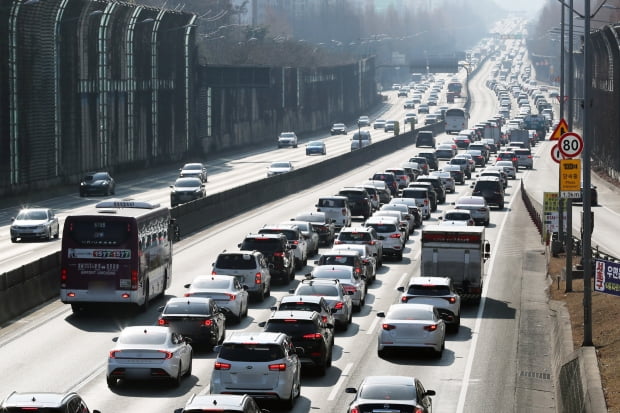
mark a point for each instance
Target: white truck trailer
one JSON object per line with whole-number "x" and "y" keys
{"x": 458, "y": 253}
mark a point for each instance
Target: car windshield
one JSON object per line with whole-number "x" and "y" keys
{"x": 32, "y": 215}
{"x": 235, "y": 261}
{"x": 254, "y": 352}
{"x": 339, "y": 125}
{"x": 315, "y": 144}
{"x": 287, "y": 135}
{"x": 187, "y": 183}
{"x": 280, "y": 165}
{"x": 388, "y": 392}
{"x": 143, "y": 337}
{"x": 193, "y": 166}
{"x": 99, "y": 176}
{"x": 186, "y": 307}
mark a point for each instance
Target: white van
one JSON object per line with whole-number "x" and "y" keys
{"x": 336, "y": 209}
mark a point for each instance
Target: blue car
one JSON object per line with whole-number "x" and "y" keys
{"x": 316, "y": 147}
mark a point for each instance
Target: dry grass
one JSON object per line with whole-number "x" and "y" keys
{"x": 605, "y": 328}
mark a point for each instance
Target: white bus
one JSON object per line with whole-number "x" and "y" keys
{"x": 456, "y": 120}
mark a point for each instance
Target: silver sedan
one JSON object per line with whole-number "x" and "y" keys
{"x": 407, "y": 326}
{"x": 477, "y": 206}
{"x": 149, "y": 352}
{"x": 229, "y": 294}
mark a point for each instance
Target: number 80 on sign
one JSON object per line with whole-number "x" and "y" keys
{"x": 570, "y": 144}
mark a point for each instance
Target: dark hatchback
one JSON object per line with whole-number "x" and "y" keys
{"x": 358, "y": 201}
{"x": 198, "y": 318}
{"x": 277, "y": 251}
{"x": 308, "y": 331}
{"x": 491, "y": 189}
{"x": 97, "y": 183}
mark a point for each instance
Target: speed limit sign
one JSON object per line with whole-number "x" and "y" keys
{"x": 556, "y": 155}
{"x": 570, "y": 144}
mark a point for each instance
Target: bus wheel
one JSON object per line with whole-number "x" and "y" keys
{"x": 145, "y": 306}
{"x": 163, "y": 287}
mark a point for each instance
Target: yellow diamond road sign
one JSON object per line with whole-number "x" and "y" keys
{"x": 570, "y": 178}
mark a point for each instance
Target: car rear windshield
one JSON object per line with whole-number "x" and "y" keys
{"x": 321, "y": 290}
{"x": 388, "y": 392}
{"x": 415, "y": 193}
{"x": 383, "y": 177}
{"x": 291, "y": 327}
{"x": 254, "y": 352}
{"x": 216, "y": 284}
{"x": 352, "y": 194}
{"x": 405, "y": 313}
{"x": 383, "y": 228}
{"x": 337, "y": 260}
{"x": 264, "y": 245}
{"x": 300, "y": 306}
{"x": 33, "y": 409}
{"x": 186, "y": 307}
{"x": 236, "y": 261}
{"x": 290, "y": 234}
{"x": 486, "y": 185}
{"x": 331, "y": 203}
{"x": 354, "y": 236}
{"x": 146, "y": 337}
{"x": 430, "y": 290}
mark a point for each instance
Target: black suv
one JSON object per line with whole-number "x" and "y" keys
{"x": 308, "y": 331}
{"x": 431, "y": 157}
{"x": 491, "y": 189}
{"x": 45, "y": 401}
{"x": 389, "y": 178}
{"x": 440, "y": 189}
{"x": 425, "y": 138}
{"x": 276, "y": 250}
{"x": 358, "y": 200}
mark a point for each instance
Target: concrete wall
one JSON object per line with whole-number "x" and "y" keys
{"x": 35, "y": 283}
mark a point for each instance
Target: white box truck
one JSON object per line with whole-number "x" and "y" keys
{"x": 458, "y": 253}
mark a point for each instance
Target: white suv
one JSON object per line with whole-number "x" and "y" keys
{"x": 287, "y": 139}
{"x": 362, "y": 235}
{"x": 436, "y": 291}
{"x": 389, "y": 232}
{"x": 261, "y": 365}
{"x": 335, "y": 208}
{"x": 248, "y": 267}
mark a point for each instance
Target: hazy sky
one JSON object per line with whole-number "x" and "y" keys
{"x": 522, "y": 5}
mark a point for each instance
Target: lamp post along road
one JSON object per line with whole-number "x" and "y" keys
{"x": 569, "y": 202}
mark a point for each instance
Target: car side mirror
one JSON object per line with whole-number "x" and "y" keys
{"x": 217, "y": 349}
{"x": 380, "y": 314}
{"x": 430, "y": 392}
{"x": 274, "y": 308}
{"x": 187, "y": 285}
{"x": 160, "y": 309}
{"x": 333, "y": 310}
{"x": 171, "y": 186}
{"x": 401, "y": 289}
{"x": 350, "y": 390}
{"x": 262, "y": 324}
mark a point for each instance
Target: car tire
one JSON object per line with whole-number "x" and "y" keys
{"x": 381, "y": 353}
{"x": 439, "y": 353}
{"x": 13, "y": 239}
{"x": 111, "y": 382}
{"x": 290, "y": 402}
{"x": 400, "y": 256}
{"x": 189, "y": 369}
{"x": 176, "y": 381}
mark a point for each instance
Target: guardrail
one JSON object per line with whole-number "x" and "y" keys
{"x": 35, "y": 283}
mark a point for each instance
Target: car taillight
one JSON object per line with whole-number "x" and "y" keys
{"x": 113, "y": 354}
{"x": 187, "y": 294}
{"x": 371, "y": 242}
{"x": 337, "y": 241}
{"x": 339, "y": 305}
{"x": 405, "y": 299}
{"x": 296, "y": 242}
{"x": 277, "y": 367}
{"x": 418, "y": 410}
{"x": 207, "y": 322}
{"x": 348, "y": 288}
{"x": 388, "y": 327}
{"x": 231, "y": 297}
{"x": 312, "y": 336}
{"x": 258, "y": 278}
{"x": 358, "y": 270}
{"x": 134, "y": 279}
{"x": 529, "y": 156}
{"x": 451, "y": 300}
{"x": 354, "y": 410}
{"x": 63, "y": 275}
{"x": 221, "y": 366}
{"x": 162, "y": 322}
{"x": 278, "y": 254}
{"x": 395, "y": 236}
{"x": 431, "y": 327}
{"x": 213, "y": 272}
{"x": 167, "y": 354}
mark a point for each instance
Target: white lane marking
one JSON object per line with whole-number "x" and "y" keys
{"x": 402, "y": 280}
{"x": 341, "y": 380}
{"x": 476, "y": 330}
{"x": 374, "y": 323}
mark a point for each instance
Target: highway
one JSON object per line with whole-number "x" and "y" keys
{"x": 51, "y": 349}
